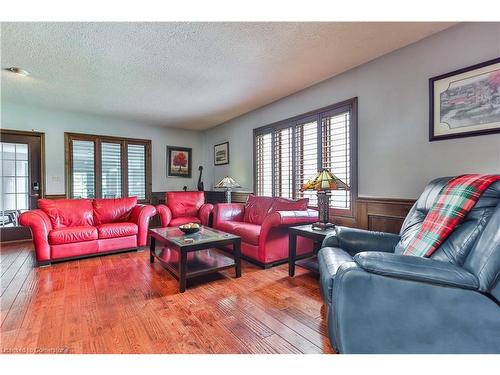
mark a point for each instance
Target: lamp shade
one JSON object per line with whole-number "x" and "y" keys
{"x": 325, "y": 181}
{"x": 227, "y": 182}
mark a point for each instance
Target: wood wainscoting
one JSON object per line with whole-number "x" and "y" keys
{"x": 378, "y": 214}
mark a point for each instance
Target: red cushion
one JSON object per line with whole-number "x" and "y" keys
{"x": 283, "y": 204}
{"x": 183, "y": 220}
{"x": 113, "y": 230}
{"x": 72, "y": 234}
{"x": 248, "y": 232}
{"x": 257, "y": 208}
{"x": 68, "y": 212}
{"x": 184, "y": 203}
{"x": 113, "y": 210}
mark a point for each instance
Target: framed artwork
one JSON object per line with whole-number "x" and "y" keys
{"x": 179, "y": 161}
{"x": 465, "y": 102}
{"x": 221, "y": 153}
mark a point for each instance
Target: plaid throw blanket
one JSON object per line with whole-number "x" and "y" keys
{"x": 453, "y": 203}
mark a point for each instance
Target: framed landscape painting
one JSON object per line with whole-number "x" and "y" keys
{"x": 179, "y": 161}
{"x": 465, "y": 102}
{"x": 221, "y": 153}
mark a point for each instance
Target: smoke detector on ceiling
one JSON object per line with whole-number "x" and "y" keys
{"x": 18, "y": 71}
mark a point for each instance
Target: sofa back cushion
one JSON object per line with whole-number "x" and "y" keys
{"x": 257, "y": 208}
{"x": 184, "y": 203}
{"x": 113, "y": 210}
{"x": 283, "y": 204}
{"x": 68, "y": 212}
{"x": 459, "y": 243}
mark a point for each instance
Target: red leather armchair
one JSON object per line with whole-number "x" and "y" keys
{"x": 71, "y": 228}
{"x": 262, "y": 225}
{"x": 184, "y": 207}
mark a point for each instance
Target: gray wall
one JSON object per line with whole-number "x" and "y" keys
{"x": 395, "y": 158}
{"x": 54, "y": 123}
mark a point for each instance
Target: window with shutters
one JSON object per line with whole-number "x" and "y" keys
{"x": 290, "y": 152}
{"x": 107, "y": 167}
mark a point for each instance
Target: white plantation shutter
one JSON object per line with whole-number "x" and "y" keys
{"x": 111, "y": 170}
{"x": 264, "y": 166}
{"x": 291, "y": 152}
{"x": 83, "y": 171}
{"x": 336, "y": 154}
{"x": 137, "y": 171}
{"x": 306, "y": 146}
{"x": 283, "y": 168}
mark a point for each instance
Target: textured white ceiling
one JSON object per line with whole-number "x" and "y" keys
{"x": 189, "y": 75}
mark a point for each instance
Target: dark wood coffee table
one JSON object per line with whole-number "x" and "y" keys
{"x": 190, "y": 255}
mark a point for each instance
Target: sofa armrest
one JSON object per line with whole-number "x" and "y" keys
{"x": 204, "y": 213}
{"x": 228, "y": 212}
{"x": 417, "y": 269}
{"x": 290, "y": 218}
{"x": 40, "y": 226}
{"x": 355, "y": 240}
{"x": 286, "y": 219}
{"x": 165, "y": 214}
{"x": 140, "y": 215}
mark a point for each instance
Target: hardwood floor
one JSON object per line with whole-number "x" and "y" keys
{"x": 123, "y": 304}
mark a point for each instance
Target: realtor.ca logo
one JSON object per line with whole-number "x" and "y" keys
{"x": 35, "y": 350}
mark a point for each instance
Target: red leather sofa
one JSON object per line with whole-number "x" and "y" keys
{"x": 71, "y": 228}
{"x": 262, "y": 225}
{"x": 183, "y": 207}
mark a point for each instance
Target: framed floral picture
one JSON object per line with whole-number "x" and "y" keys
{"x": 221, "y": 153}
{"x": 179, "y": 161}
{"x": 465, "y": 102}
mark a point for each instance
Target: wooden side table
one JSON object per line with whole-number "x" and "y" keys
{"x": 308, "y": 260}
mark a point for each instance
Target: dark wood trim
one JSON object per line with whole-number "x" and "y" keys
{"x": 432, "y": 136}
{"x": 98, "y": 140}
{"x": 55, "y": 196}
{"x": 398, "y": 201}
{"x": 108, "y": 138}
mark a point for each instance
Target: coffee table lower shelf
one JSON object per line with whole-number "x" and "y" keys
{"x": 187, "y": 256}
{"x": 198, "y": 263}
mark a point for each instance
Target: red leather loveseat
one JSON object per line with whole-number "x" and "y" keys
{"x": 262, "y": 225}
{"x": 183, "y": 207}
{"x": 70, "y": 228}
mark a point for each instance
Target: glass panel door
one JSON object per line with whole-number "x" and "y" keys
{"x": 14, "y": 182}
{"x": 20, "y": 180}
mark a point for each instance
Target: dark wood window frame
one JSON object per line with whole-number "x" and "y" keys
{"x": 98, "y": 140}
{"x": 350, "y": 105}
